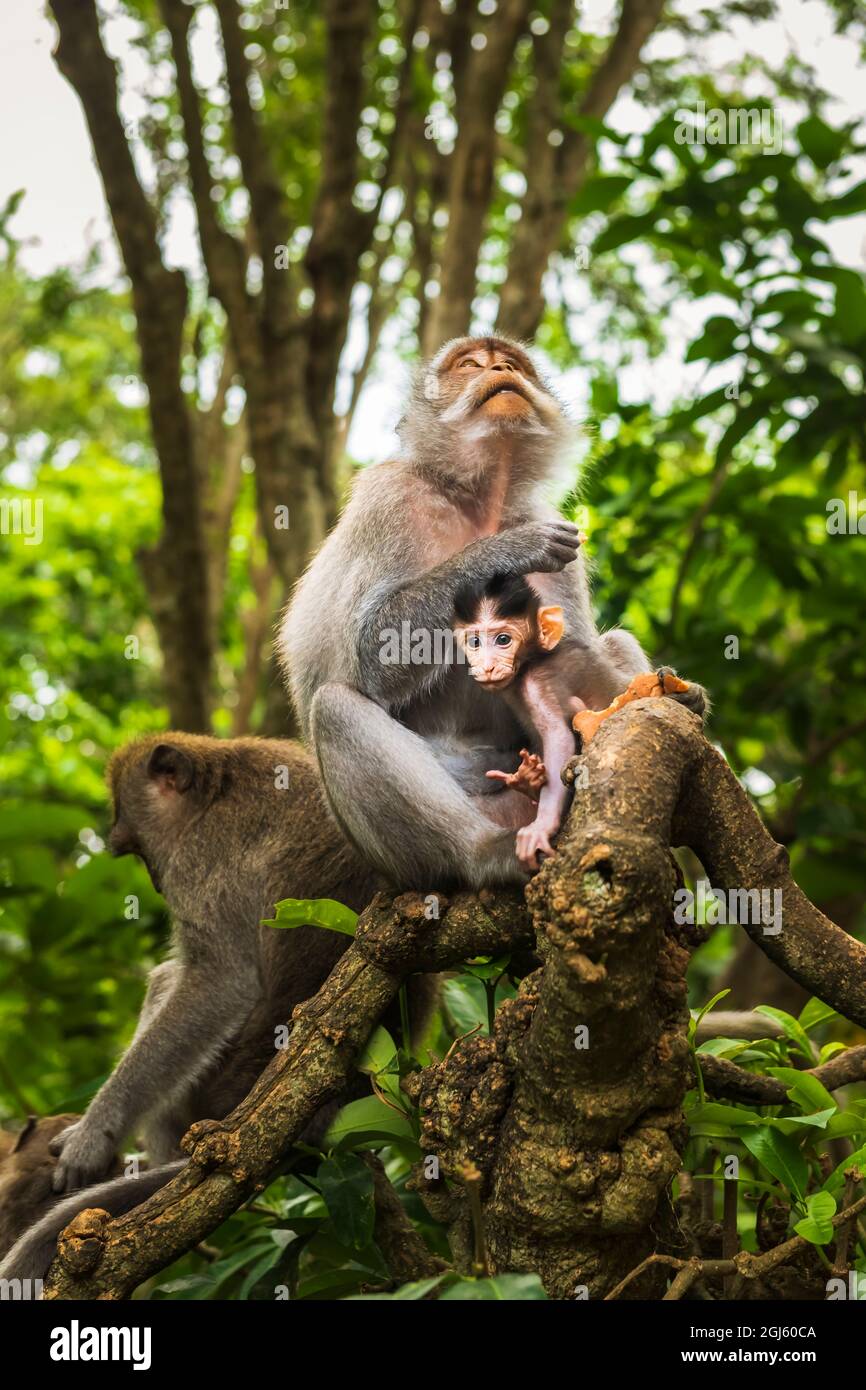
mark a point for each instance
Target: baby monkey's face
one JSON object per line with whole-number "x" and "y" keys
{"x": 496, "y": 648}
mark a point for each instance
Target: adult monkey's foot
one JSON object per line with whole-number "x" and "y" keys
{"x": 529, "y": 777}
{"x": 694, "y": 697}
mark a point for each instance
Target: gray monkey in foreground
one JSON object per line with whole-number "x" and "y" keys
{"x": 226, "y": 828}
{"x": 405, "y": 746}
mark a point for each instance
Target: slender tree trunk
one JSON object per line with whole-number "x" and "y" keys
{"x": 176, "y": 569}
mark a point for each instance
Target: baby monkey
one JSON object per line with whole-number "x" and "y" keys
{"x": 508, "y": 637}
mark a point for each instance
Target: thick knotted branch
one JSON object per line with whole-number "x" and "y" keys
{"x": 568, "y": 1120}
{"x": 232, "y": 1159}
{"x": 577, "y": 1179}
{"x": 716, "y": 819}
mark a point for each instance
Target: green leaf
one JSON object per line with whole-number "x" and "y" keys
{"x": 790, "y": 1124}
{"x": 379, "y": 1053}
{"x": 366, "y": 1122}
{"x": 836, "y": 1180}
{"x": 486, "y": 969}
{"x": 314, "y": 912}
{"x": 267, "y": 1262}
{"x": 729, "y": 1048}
{"x": 599, "y": 193}
{"x": 347, "y": 1187}
{"x": 622, "y": 230}
{"x": 715, "y": 1113}
{"x": 406, "y": 1293}
{"x": 804, "y": 1090}
{"x": 817, "y": 1225}
{"x": 716, "y": 341}
{"x": 850, "y": 203}
{"x": 846, "y": 1126}
{"x": 815, "y": 1012}
{"x": 780, "y": 1156}
{"x": 820, "y": 141}
{"x": 466, "y": 1003}
{"x": 503, "y": 1287}
{"x": 705, "y": 1010}
{"x": 793, "y": 1029}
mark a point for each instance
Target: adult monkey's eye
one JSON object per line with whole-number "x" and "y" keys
{"x": 468, "y": 362}
{"x": 503, "y": 639}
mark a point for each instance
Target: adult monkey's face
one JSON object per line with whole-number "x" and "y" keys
{"x": 492, "y": 381}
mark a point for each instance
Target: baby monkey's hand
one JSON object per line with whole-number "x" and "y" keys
{"x": 528, "y": 778}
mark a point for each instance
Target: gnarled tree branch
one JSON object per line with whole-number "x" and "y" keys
{"x": 563, "y": 1142}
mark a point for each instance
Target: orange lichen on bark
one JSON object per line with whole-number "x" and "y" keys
{"x": 650, "y": 683}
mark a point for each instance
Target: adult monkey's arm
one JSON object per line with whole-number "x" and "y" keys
{"x": 426, "y": 602}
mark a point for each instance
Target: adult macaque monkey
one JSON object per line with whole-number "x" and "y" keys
{"x": 226, "y": 828}
{"x": 405, "y": 745}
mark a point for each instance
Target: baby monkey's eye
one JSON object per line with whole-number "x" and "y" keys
{"x": 503, "y": 639}
{"x": 473, "y": 642}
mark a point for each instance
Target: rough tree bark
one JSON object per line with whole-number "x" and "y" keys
{"x": 553, "y": 1157}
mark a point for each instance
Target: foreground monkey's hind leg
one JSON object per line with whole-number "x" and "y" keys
{"x": 404, "y": 812}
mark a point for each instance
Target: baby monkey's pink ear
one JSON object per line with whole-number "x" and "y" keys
{"x": 550, "y": 627}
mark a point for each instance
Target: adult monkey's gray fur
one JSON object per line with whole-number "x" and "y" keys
{"x": 224, "y": 838}
{"x": 404, "y": 748}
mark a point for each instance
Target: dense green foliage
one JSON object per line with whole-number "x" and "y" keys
{"x": 709, "y": 537}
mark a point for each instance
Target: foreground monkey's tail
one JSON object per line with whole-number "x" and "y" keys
{"x": 747, "y": 1024}
{"x": 31, "y": 1255}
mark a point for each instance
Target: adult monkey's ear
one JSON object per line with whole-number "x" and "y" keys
{"x": 551, "y": 626}
{"x": 170, "y": 767}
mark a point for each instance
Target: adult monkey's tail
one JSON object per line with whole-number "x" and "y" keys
{"x": 31, "y": 1255}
